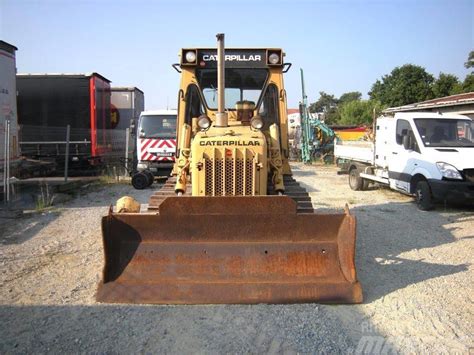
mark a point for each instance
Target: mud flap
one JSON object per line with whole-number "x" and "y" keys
{"x": 206, "y": 250}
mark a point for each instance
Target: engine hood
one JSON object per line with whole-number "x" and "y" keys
{"x": 460, "y": 158}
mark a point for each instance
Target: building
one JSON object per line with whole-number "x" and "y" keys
{"x": 462, "y": 104}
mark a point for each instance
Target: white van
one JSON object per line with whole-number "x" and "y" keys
{"x": 428, "y": 155}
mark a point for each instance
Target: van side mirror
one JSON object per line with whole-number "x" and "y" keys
{"x": 406, "y": 141}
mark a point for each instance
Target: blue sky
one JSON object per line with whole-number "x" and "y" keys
{"x": 341, "y": 45}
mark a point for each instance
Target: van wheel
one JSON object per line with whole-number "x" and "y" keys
{"x": 355, "y": 181}
{"x": 424, "y": 200}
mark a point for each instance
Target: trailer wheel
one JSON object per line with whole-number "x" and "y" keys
{"x": 424, "y": 200}
{"x": 355, "y": 181}
{"x": 140, "y": 181}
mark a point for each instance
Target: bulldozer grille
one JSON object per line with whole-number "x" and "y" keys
{"x": 230, "y": 176}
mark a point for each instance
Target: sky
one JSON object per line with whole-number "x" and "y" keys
{"x": 342, "y": 46}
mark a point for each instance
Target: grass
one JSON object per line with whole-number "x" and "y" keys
{"x": 45, "y": 198}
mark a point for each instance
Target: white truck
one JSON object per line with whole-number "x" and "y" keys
{"x": 155, "y": 146}
{"x": 424, "y": 154}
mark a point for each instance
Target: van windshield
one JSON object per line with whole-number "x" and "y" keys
{"x": 445, "y": 133}
{"x": 240, "y": 84}
{"x": 157, "y": 126}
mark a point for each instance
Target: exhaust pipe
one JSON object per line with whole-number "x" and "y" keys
{"x": 221, "y": 115}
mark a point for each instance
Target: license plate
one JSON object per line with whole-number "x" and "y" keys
{"x": 164, "y": 154}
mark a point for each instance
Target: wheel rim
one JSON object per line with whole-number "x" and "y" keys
{"x": 419, "y": 195}
{"x": 352, "y": 178}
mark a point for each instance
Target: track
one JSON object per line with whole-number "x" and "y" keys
{"x": 292, "y": 189}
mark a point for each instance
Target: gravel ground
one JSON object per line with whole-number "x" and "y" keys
{"x": 415, "y": 268}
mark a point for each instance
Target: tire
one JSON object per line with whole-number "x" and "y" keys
{"x": 151, "y": 177}
{"x": 424, "y": 200}
{"x": 140, "y": 181}
{"x": 356, "y": 183}
{"x": 365, "y": 182}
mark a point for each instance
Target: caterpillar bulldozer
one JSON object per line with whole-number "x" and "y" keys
{"x": 230, "y": 225}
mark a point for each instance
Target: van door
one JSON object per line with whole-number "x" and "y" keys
{"x": 402, "y": 161}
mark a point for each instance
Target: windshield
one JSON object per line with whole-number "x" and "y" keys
{"x": 445, "y": 133}
{"x": 240, "y": 84}
{"x": 158, "y": 126}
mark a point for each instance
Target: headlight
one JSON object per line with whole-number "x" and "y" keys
{"x": 204, "y": 122}
{"x": 256, "y": 122}
{"x": 190, "y": 57}
{"x": 448, "y": 171}
{"x": 274, "y": 58}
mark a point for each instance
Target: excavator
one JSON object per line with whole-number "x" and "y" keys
{"x": 231, "y": 225}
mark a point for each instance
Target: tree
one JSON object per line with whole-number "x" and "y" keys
{"x": 468, "y": 84}
{"x": 404, "y": 85}
{"x": 358, "y": 112}
{"x": 326, "y": 104}
{"x": 350, "y": 96}
{"x": 470, "y": 60}
{"x": 445, "y": 85}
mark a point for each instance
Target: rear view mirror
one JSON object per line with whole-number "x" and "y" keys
{"x": 406, "y": 141}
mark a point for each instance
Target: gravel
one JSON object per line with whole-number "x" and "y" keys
{"x": 415, "y": 268}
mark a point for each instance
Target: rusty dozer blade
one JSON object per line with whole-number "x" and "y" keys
{"x": 205, "y": 250}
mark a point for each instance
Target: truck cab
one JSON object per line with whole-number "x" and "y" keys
{"x": 156, "y": 140}
{"x": 425, "y": 154}
{"x": 432, "y": 156}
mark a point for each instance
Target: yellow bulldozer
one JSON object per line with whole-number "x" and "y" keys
{"x": 230, "y": 225}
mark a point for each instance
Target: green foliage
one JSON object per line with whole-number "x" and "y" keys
{"x": 468, "y": 84}
{"x": 445, "y": 85}
{"x": 404, "y": 85}
{"x": 470, "y": 60}
{"x": 359, "y": 112}
{"x": 324, "y": 104}
{"x": 350, "y": 96}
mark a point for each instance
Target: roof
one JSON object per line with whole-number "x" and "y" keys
{"x": 293, "y": 110}
{"x": 436, "y": 115}
{"x": 62, "y": 75}
{"x": 453, "y": 100}
{"x": 159, "y": 112}
{"x": 125, "y": 88}
{"x": 8, "y": 47}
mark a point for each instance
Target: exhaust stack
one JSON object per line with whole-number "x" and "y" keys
{"x": 221, "y": 115}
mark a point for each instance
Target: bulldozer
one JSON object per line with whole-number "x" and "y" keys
{"x": 230, "y": 225}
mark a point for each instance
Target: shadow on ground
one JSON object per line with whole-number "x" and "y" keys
{"x": 386, "y": 231}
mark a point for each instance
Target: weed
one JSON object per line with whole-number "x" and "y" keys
{"x": 45, "y": 198}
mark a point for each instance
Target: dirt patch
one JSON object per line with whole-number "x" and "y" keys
{"x": 415, "y": 268}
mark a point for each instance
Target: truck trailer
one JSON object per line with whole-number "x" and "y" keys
{"x": 47, "y": 103}
{"x": 8, "y": 107}
{"x": 425, "y": 154}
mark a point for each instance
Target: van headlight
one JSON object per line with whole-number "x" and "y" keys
{"x": 448, "y": 171}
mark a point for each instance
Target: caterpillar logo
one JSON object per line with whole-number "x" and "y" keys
{"x": 233, "y": 57}
{"x": 230, "y": 143}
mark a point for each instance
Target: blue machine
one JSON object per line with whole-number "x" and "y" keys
{"x": 317, "y": 139}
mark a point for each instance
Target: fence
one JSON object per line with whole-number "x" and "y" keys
{"x": 114, "y": 147}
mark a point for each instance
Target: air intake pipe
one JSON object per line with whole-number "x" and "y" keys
{"x": 221, "y": 115}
